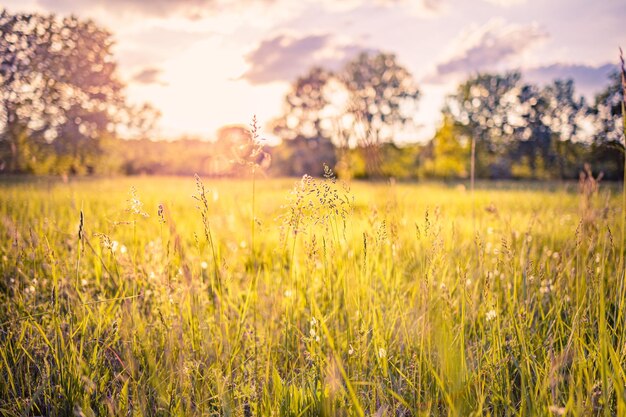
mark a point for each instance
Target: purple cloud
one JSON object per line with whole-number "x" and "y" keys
{"x": 488, "y": 46}
{"x": 588, "y": 79}
{"x": 189, "y": 8}
{"x": 284, "y": 57}
{"x": 195, "y": 9}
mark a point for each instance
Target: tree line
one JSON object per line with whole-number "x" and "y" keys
{"x": 508, "y": 127}
{"x": 64, "y": 111}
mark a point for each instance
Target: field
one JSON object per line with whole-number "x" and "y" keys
{"x": 293, "y": 298}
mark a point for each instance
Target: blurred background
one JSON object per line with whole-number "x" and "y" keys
{"x": 372, "y": 88}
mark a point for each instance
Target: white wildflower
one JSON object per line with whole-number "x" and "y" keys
{"x": 546, "y": 287}
{"x": 382, "y": 353}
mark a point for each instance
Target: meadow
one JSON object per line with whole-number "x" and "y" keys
{"x": 178, "y": 296}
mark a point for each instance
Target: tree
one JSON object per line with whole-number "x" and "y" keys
{"x": 483, "y": 105}
{"x": 306, "y": 126}
{"x": 513, "y": 124}
{"x": 365, "y": 104}
{"x": 608, "y": 111}
{"x": 58, "y": 86}
{"x": 304, "y": 107}
{"x": 140, "y": 121}
{"x": 382, "y": 100}
{"x": 608, "y": 146}
{"x": 553, "y": 128}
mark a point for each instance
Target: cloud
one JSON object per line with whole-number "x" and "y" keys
{"x": 423, "y": 8}
{"x": 148, "y": 75}
{"x": 197, "y": 9}
{"x": 487, "y": 47}
{"x": 161, "y": 8}
{"x": 506, "y": 3}
{"x": 588, "y": 79}
{"x": 284, "y": 57}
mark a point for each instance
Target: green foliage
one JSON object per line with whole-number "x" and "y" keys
{"x": 450, "y": 151}
{"x": 523, "y": 131}
{"x": 400, "y": 162}
{"x": 301, "y": 155}
{"x": 351, "y": 163}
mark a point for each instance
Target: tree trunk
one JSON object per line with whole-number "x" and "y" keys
{"x": 473, "y": 165}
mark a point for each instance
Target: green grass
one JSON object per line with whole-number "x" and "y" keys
{"x": 383, "y": 299}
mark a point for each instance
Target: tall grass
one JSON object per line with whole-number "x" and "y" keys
{"x": 371, "y": 299}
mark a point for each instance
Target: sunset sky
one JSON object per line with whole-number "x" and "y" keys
{"x": 206, "y": 63}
